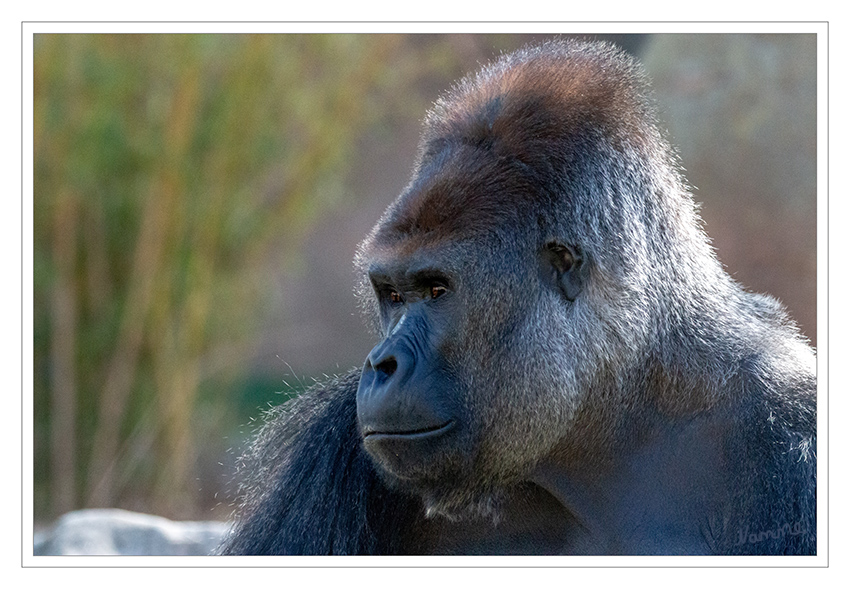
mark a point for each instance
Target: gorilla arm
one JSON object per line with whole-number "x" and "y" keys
{"x": 310, "y": 488}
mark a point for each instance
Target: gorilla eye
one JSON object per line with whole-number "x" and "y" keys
{"x": 437, "y": 291}
{"x": 395, "y": 297}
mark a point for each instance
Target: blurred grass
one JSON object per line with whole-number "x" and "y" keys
{"x": 167, "y": 170}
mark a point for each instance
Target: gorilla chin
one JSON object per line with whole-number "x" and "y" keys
{"x": 435, "y": 467}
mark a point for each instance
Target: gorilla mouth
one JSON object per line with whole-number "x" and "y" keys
{"x": 409, "y": 454}
{"x": 414, "y": 434}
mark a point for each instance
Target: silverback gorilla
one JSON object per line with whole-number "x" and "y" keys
{"x": 563, "y": 366}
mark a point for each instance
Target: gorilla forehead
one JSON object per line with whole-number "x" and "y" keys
{"x": 465, "y": 192}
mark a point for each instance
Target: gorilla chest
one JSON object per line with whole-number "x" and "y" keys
{"x": 531, "y": 522}
{"x": 537, "y": 524}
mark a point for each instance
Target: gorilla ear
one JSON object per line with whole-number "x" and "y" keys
{"x": 565, "y": 267}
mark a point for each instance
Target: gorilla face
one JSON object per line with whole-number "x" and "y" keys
{"x": 466, "y": 389}
{"x": 410, "y": 405}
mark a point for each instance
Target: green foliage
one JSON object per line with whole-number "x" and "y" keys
{"x": 166, "y": 168}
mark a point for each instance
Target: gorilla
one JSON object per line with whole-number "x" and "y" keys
{"x": 563, "y": 368}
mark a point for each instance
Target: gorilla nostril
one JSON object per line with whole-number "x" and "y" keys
{"x": 387, "y": 366}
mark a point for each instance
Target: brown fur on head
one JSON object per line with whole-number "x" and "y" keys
{"x": 499, "y": 128}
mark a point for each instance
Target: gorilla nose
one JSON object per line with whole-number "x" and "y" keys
{"x": 383, "y": 362}
{"x": 387, "y": 366}
{"x": 393, "y": 398}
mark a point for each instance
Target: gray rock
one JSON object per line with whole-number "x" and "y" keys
{"x": 119, "y": 532}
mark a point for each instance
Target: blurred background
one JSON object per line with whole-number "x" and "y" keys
{"x": 199, "y": 198}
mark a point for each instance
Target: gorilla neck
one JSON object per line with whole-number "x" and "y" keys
{"x": 658, "y": 494}
{"x": 663, "y": 477}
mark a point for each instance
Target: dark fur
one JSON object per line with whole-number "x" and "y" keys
{"x": 311, "y": 489}
{"x": 664, "y": 410}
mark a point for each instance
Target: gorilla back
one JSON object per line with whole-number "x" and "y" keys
{"x": 563, "y": 366}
